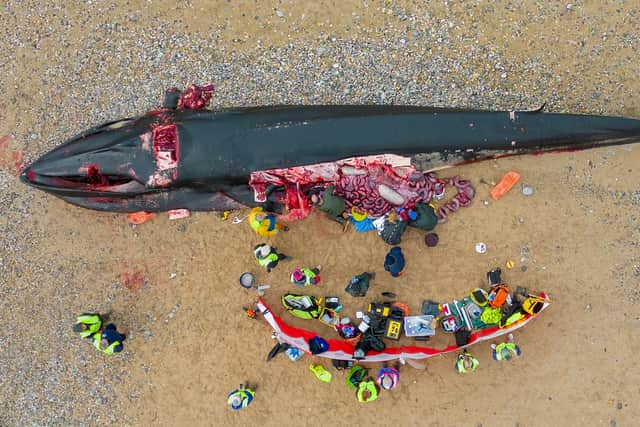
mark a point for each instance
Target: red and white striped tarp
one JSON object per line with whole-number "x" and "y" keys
{"x": 342, "y": 350}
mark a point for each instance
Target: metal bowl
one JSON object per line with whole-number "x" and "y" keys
{"x": 246, "y": 280}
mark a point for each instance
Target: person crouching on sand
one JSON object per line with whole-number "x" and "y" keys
{"x": 367, "y": 391}
{"x": 87, "y": 324}
{"x": 265, "y": 224}
{"x": 240, "y": 398}
{"x": 110, "y": 340}
{"x": 389, "y": 376}
{"x": 305, "y": 276}
{"x": 331, "y": 204}
{"x": 465, "y": 363}
{"x": 394, "y": 261}
{"x": 268, "y": 256}
{"x": 505, "y": 350}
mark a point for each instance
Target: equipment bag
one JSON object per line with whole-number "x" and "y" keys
{"x": 374, "y": 343}
{"x": 317, "y": 345}
{"x": 532, "y": 305}
{"x": 499, "y": 295}
{"x": 392, "y": 232}
{"x": 494, "y": 277}
{"x": 341, "y": 365}
{"x": 302, "y": 306}
{"x": 356, "y": 374}
{"x": 479, "y": 297}
{"x": 462, "y": 337}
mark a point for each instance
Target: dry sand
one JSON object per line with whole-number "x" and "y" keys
{"x": 189, "y": 341}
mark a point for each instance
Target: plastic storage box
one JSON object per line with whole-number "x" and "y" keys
{"x": 418, "y": 326}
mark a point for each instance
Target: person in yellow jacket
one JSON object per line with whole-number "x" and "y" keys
{"x": 268, "y": 256}
{"x": 367, "y": 391}
{"x": 265, "y": 224}
{"x": 87, "y": 324}
{"x": 466, "y": 363}
{"x": 109, "y": 341}
{"x": 505, "y": 350}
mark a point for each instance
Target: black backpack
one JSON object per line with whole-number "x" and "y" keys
{"x": 462, "y": 337}
{"x": 392, "y": 232}
{"x": 317, "y": 345}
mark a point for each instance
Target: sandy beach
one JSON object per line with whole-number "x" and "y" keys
{"x": 173, "y": 285}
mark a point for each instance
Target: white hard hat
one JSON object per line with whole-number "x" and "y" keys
{"x": 387, "y": 382}
{"x": 265, "y": 250}
{"x": 236, "y": 401}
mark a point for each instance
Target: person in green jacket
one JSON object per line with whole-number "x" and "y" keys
{"x": 87, "y": 324}
{"x": 466, "y": 363}
{"x": 268, "y": 256}
{"x": 109, "y": 341}
{"x": 331, "y": 204}
{"x": 427, "y": 218}
{"x": 505, "y": 350}
{"x": 305, "y": 276}
{"x": 367, "y": 391}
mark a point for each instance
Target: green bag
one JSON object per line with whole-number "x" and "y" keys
{"x": 321, "y": 373}
{"x": 356, "y": 374}
{"x": 302, "y": 306}
{"x": 491, "y": 316}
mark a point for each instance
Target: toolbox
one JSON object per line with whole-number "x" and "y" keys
{"x": 377, "y": 309}
{"x": 394, "y": 327}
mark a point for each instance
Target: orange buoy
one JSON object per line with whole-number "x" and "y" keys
{"x": 141, "y": 217}
{"x": 506, "y": 183}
